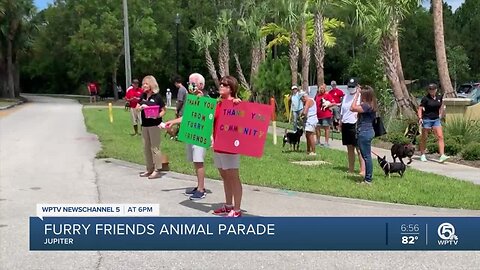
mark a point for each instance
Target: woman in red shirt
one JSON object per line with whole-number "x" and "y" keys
{"x": 228, "y": 164}
{"x": 324, "y": 101}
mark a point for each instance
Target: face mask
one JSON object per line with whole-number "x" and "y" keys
{"x": 352, "y": 90}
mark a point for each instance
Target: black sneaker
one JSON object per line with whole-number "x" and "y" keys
{"x": 190, "y": 192}
{"x": 198, "y": 195}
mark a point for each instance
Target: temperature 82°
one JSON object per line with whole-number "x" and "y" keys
{"x": 409, "y": 239}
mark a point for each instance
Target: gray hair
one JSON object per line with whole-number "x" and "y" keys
{"x": 198, "y": 78}
{"x": 333, "y": 83}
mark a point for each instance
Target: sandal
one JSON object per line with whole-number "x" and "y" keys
{"x": 155, "y": 175}
{"x": 145, "y": 174}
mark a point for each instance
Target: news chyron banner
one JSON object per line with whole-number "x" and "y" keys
{"x": 140, "y": 227}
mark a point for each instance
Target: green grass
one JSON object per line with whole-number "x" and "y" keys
{"x": 275, "y": 169}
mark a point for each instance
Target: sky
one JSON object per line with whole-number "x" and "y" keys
{"x": 41, "y": 4}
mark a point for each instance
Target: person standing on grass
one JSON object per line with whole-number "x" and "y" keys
{"x": 133, "y": 96}
{"x": 150, "y": 131}
{"x": 92, "y": 91}
{"x": 181, "y": 96}
{"x": 228, "y": 164}
{"x": 296, "y": 106}
{"x": 367, "y": 111}
{"x": 347, "y": 125}
{"x": 195, "y": 153}
{"x": 309, "y": 113}
{"x": 337, "y": 96}
{"x": 324, "y": 114}
{"x": 430, "y": 111}
{"x": 169, "y": 98}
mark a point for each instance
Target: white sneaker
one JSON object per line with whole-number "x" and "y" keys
{"x": 423, "y": 158}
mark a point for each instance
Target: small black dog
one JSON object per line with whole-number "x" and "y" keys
{"x": 391, "y": 167}
{"x": 402, "y": 151}
{"x": 293, "y": 138}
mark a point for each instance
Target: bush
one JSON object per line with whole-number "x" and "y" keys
{"x": 396, "y": 137}
{"x": 453, "y": 145}
{"x": 468, "y": 130}
{"x": 471, "y": 151}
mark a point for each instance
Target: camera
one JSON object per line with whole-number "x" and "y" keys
{"x": 192, "y": 88}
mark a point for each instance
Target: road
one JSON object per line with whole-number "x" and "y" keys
{"x": 47, "y": 156}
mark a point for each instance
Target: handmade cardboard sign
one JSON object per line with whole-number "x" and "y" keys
{"x": 242, "y": 128}
{"x": 197, "y": 121}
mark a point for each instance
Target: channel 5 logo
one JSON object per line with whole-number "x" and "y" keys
{"x": 446, "y": 232}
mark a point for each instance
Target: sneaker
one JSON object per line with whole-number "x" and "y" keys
{"x": 190, "y": 192}
{"x": 234, "y": 213}
{"x": 312, "y": 154}
{"x": 423, "y": 158}
{"x": 365, "y": 182}
{"x": 223, "y": 210}
{"x": 327, "y": 145}
{"x": 198, "y": 195}
{"x": 443, "y": 158}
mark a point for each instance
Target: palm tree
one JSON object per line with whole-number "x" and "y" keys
{"x": 379, "y": 22}
{"x": 305, "y": 46}
{"x": 319, "y": 7}
{"x": 204, "y": 40}
{"x": 224, "y": 24}
{"x": 282, "y": 36}
{"x": 442, "y": 65}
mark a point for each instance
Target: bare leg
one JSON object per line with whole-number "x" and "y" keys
{"x": 351, "y": 158}
{"x": 200, "y": 172}
{"x": 236, "y": 186}
{"x": 327, "y": 134}
{"x": 227, "y": 187}
{"x": 318, "y": 133}
{"x": 361, "y": 161}
{"x": 423, "y": 140}
{"x": 441, "y": 143}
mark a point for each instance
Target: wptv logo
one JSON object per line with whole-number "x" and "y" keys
{"x": 446, "y": 232}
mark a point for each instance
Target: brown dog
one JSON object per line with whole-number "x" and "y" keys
{"x": 173, "y": 132}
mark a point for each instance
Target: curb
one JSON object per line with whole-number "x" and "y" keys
{"x": 21, "y": 101}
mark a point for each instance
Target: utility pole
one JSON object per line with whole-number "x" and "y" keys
{"x": 126, "y": 39}
{"x": 177, "y": 23}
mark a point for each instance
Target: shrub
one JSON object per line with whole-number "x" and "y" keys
{"x": 396, "y": 137}
{"x": 453, "y": 145}
{"x": 468, "y": 130}
{"x": 471, "y": 151}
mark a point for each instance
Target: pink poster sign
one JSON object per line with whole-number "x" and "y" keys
{"x": 242, "y": 128}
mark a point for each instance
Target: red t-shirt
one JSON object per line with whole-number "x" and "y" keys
{"x": 336, "y": 94}
{"x": 323, "y": 113}
{"x": 92, "y": 88}
{"x": 134, "y": 92}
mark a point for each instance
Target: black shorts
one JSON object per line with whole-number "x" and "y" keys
{"x": 349, "y": 134}
{"x": 92, "y": 94}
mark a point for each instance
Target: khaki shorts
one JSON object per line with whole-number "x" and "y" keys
{"x": 136, "y": 117}
{"x": 195, "y": 153}
{"x": 226, "y": 161}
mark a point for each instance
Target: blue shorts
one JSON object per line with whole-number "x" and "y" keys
{"x": 429, "y": 123}
{"x": 325, "y": 122}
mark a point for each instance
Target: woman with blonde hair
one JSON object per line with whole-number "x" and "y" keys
{"x": 367, "y": 110}
{"x": 150, "y": 130}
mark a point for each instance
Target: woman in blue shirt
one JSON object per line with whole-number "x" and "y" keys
{"x": 366, "y": 115}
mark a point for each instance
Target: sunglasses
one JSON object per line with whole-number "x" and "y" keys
{"x": 224, "y": 85}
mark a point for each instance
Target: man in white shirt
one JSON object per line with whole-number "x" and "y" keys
{"x": 296, "y": 106}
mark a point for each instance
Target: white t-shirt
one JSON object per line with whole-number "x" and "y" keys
{"x": 347, "y": 115}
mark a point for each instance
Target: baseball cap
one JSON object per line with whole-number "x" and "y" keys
{"x": 135, "y": 81}
{"x": 352, "y": 83}
{"x": 294, "y": 87}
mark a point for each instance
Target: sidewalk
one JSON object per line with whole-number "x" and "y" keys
{"x": 449, "y": 169}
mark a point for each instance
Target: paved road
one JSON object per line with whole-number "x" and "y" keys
{"x": 48, "y": 157}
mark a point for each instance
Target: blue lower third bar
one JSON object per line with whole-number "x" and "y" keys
{"x": 258, "y": 233}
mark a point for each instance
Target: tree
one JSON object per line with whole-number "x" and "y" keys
{"x": 14, "y": 20}
{"x": 204, "y": 39}
{"x": 379, "y": 23}
{"x": 224, "y": 25}
{"x": 442, "y": 64}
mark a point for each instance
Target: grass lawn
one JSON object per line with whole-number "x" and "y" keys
{"x": 4, "y": 102}
{"x": 275, "y": 169}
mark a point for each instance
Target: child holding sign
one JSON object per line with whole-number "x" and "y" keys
{"x": 228, "y": 163}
